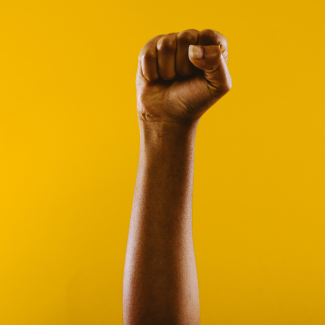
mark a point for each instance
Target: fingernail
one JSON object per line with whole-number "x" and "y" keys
{"x": 196, "y": 52}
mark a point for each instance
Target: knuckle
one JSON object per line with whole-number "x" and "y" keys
{"x": 149, "y": 54}
{"x": 212, "y": 37}
{"x": 166, "y": 44}
{"x": 187, "y": 36}
{"x": 209, "y": 32}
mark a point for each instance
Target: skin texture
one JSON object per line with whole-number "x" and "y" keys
{"x": 176, "y": 83}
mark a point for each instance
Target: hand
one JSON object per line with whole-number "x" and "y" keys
{"x": 178, "y": 82}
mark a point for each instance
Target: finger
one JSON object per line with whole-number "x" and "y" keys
{"x": 140, "y": 78}
{"x": 184, "y": 67}
{"x": 211, "y": 61}
{"x": 166, "y": 48}
{"x": 148, "y": 57}
{"x": 211, "y": 37}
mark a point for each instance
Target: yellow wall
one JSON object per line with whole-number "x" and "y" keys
{"x": 69, "y": 149}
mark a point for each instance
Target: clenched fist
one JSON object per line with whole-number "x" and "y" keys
{"x": 181, "y": 75}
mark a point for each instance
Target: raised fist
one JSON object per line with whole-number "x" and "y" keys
{"x": 181, "y": 75}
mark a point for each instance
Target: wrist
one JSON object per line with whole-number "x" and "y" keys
{"x": 171, "y": 133}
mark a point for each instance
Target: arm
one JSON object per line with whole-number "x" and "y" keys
{"x": 160, "y": 275}
{"x": 160, "y": 280}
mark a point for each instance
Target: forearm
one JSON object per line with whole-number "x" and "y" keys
{"x": 160, "y": 280}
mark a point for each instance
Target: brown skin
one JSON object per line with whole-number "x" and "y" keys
{"x": 174, "y": 89}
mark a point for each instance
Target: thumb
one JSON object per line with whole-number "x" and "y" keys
{"x": 211, "y": 60}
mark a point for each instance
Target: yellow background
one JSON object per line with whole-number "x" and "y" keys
{"x": 69, "y": 144}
